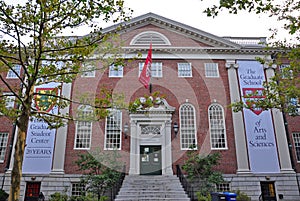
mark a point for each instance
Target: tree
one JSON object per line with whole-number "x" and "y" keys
{"x": 33, "y": 40}
{"x": 200, "y": 169}
{"x": 101, "y": 171}
{"x": 283, "y": 90}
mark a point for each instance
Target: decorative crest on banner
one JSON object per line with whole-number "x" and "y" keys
{"x": 252, "y": 95}
{"x": 43, "y": 100}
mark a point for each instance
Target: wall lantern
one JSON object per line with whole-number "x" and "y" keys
{"x": 126, "y": 130}
{"x": 175, "y": 128}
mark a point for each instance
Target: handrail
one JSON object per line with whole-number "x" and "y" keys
{"x": 186, "y": 185}
{"x": 116, "y": 187}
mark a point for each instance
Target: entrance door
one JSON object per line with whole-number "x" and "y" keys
{"x": 150, "y": 160}
{"x": 268, "y": 191}
{"x": 32, "y": 191}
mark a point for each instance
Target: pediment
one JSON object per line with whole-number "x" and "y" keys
{"x": 203, "y": 38}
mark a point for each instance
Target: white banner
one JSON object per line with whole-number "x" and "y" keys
{"x": 40, "y": 139}
{"x": 262, "y": 148}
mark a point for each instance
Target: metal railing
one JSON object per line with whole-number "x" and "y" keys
{"x": 186, "y": 185}
{"x": 118, "y": 184}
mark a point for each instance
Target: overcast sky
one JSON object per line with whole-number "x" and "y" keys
{"x": 190, "y": 12}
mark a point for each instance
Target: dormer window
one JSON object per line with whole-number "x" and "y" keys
{"x": 147, "y": 37}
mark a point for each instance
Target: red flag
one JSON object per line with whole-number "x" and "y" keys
{"x": 146, "y": 72}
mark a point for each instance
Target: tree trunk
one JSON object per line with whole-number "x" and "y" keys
{"x": 16, "y": 174}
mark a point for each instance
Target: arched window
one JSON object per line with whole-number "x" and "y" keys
{"x": 113, "y": 130}
{"x": 217, "y": 127}
{"x": 83, "y": 133}
{"x": 188, "y": 132}
{"x": 147, "y": 37}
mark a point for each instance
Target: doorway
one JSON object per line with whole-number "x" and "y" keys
{"x": 150, "y": 160}
{"x": 32, "y": 191}
{"x": 268, "y": 191}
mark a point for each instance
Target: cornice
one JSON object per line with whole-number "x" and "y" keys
{"x": 200, "y": 50}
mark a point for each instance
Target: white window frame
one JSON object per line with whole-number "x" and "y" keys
{"x": 11, "y": 74}
{"x": 211, "y": 70}
{"x": 9, "y": 100}
{"x": 116, "y": 71}
{"x": 84, "y": 112}
{"x": 3, "y": 145}
{"x": 188, "y": 129}
{"x": 296, "y": 140}
{"x": 184, "y": 70}
{"x": 112, "y": 136}
{"x": 90, "y": 70}
{"x": 283, "y": 71}
{"x": 217, "y": 126}
{"x": 156, "y": 69}
{"x": 77, "y": 189}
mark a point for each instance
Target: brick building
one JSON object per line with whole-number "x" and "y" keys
{"x": 197, "y": 75}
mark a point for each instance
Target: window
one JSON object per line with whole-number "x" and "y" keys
{"x": 88, "y": 70}
{"x": 285, "y": 71}
{"x": 83, "y": 131}
{"x": 3, "y": 145}
{"x": 184, "y": 70}
{"x": 217, "y": 127}
{"x": 296, "y": 138}
{"x": 187, "y": 126}
{"x": 9, "y": 100}
{"x": 156, "y": 69}
{"x": 223, "y": 187}
{"x": 78, "y": 189}
{"x": 211, "y": 70}
{"x": 113, "y": 130}
{"x": 115, "y": 71}
{"x": 147, "y": 37}
{"x": 12, "y": 74}
{"x": 294, "y": 107}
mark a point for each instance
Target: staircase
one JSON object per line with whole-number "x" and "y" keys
{"x": 152, "y": 187}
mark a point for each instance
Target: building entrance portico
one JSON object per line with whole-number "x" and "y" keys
{"x": 150, "y": 140}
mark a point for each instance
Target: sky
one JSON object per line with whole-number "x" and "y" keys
{"x": 190, "y": 12}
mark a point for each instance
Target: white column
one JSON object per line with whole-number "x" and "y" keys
{"x": 237, "y": 118}
{"x": 61, "y": 137}
{"x": 133, "y": 169}
{"x": 280, "y": 132}
{"x": 168, "y": 149}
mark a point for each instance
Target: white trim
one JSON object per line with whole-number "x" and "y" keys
{"x": 154, "y": 33}
{"x": 120, "y": 134}
{"x": 224, "y": 127}
{"x": 195, "y": 127}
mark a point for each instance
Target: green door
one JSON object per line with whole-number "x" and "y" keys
{"x": 150, "y": 160}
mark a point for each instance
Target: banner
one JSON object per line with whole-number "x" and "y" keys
{"x": 145, "y": 75}
{"x": 261, "y": 143}
{"x": 40, "y": 139}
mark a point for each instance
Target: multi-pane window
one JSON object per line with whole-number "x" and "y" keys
{"x": 187, "y": 117}
{"x": 156, "y": 69}
{"x": 184, "y": 70}
{"x": 88, "y": 70}
{"x": 3, "y": 145}
{"x": 211, "y": 70}
{"x": 83, "y": 128}
{"x": 12, "y": 74}
{"x": 9, "y": 100}
{"x": 296, "y": 138}
{"x": 217, "y": 127}
{"x": 113, "y": 130}
{"x": 115, "y": 71}
{"x": 294, "y": 107}
{"x": 223, "y": 187}
{"x": 78, "y": 189}
{"x": 285, "y": 71}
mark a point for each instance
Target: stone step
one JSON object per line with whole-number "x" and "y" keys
{"x": 144, "y": 188}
